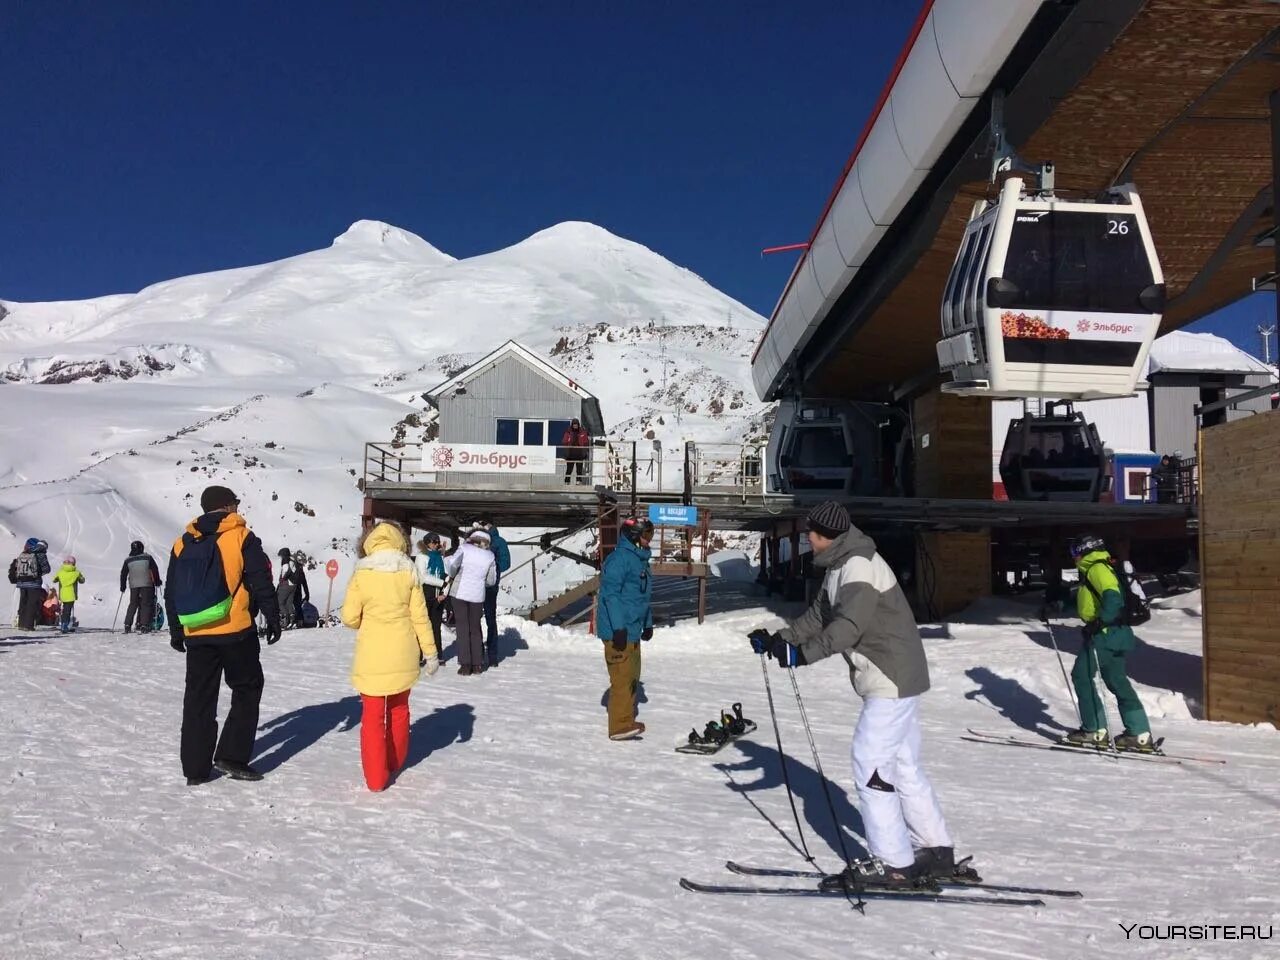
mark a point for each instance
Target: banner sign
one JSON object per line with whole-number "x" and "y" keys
{"x": 672, "y": 515}
{"x": 1075, "y": 325}
{"x": 487, "y": 458}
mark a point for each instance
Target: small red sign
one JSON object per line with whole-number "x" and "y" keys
{"x": 331, "y": 568}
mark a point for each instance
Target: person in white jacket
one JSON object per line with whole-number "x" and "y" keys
{"x": 472, "y": 568}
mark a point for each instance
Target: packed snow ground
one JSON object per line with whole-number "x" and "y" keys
{"x": 519, "y": 831}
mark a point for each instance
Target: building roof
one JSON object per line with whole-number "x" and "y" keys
{"x": 509, "y": 348}
{"x": 1183, "y": 352}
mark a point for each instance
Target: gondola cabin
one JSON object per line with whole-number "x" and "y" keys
{"x": 1054, "y": 456}
{"x": 1052, "y": 298}
{"x": 834, "y": 448}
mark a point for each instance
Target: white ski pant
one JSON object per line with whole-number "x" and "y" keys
{"x": 899, "y": 808}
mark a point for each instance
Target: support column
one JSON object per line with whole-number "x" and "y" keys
{"x": 953, "y": 462}
{"x": 1274, "y": 103}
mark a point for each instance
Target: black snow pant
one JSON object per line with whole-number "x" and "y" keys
{"x": 435, "y": 613}
{"x": 29, "y": 604}
{"x": 207, "y": 663}
{"x": 142, "y": 602}
{"x": 491, "y": 625}
{"x": 470, "y": 642}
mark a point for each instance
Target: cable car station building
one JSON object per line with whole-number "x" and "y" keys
{"x": 1040, "y": 191}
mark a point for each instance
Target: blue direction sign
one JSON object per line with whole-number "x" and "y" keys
{"x": 672, "y": 515}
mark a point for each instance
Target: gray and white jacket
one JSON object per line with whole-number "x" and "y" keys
{"x": 863, "y": 614}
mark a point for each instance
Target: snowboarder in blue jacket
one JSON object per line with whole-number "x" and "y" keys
{"x": 624, "y": 617}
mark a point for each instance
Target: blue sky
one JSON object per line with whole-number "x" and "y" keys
{"x": 147, "y": 141}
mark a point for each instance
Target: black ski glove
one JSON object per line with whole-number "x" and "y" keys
{"x": 761, "y": 640}
{"x": 620, "y": 640}
{"x": 647, "y": 634}
{"x": 272, "y": 632}
{"x": 178, "y": 640}
{"x": 787, "y": 655}
{"x": 1091, "y": 630}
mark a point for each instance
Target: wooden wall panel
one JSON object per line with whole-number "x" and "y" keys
{"x": 1240, "y": 569}
{"x": 956, "y": 462}
{"x": 953, "y": 569}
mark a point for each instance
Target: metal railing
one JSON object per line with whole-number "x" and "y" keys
{"x": 1181, "y": 484}
{"x": 623, "y": 466}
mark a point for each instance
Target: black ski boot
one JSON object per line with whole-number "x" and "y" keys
{"x": 1136, "y": 742}
{"x": 939, "y": 863}
{"x": 875, "y": 874}
{"x": 238, "y": 771}
{"x": 1097, "y": 739}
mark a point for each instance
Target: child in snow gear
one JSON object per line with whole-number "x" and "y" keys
{"x": 431, "y": 573}
{"x": 51, "y": 609}
{"x": 1102, "y": 602}
{"x": 68, "y": 579}
{"x": 219, "y": 581}
{"x": 574, "y": 446}
{"x": 384, "y": 602}
{"x": 624, "y": 617}
{"x": 862, "y": 614}
{"x": 26, "y": 572}
{"x": 473, "y": 569}
{"x": 140, "y": 576}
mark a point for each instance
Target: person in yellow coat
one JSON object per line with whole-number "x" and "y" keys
{"x": 384, "y": 603}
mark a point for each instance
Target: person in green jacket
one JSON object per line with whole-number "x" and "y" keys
{"x": 1100, "y": 604}
{"x": 68, "y": 579}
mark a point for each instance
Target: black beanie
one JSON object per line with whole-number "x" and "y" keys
{"x": 215, "y": 498}
{"x": 829, "y": 519}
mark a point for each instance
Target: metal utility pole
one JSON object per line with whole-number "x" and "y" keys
{"x": 1266, "y": 333}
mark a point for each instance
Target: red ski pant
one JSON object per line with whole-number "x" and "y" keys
{"x": 384, "y": 737}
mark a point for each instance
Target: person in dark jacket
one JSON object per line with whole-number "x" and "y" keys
{"x": 140, "y": 576}
{"x": 502, "y": 561}
{"x": 624, "y": 617}
{"x": 862, "y": 614}
{"x": 574, "y": 444}
{"x": 27, "y": 572}
{"x": 227, "y": 645}
{"x": 302, "y": 590}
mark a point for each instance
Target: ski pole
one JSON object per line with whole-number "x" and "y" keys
{"x": 782, "y": 759}
{"x": 1063, "y": 667}
{"x": 826, "y": 787}
{"x": 117, "y": 615}
{"x": 1102, "y": 703}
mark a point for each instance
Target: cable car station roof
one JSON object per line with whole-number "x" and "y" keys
{"x": 1171, "y": 95}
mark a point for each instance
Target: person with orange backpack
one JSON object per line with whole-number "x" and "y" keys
{"x": 219, "y": 580}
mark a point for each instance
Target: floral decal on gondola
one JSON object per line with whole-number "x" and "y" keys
{"x": 1029, "y": 326}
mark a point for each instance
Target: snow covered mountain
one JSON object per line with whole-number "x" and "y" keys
{"x": 271, "y": 378}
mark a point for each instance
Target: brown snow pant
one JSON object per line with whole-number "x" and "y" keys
{"x": 624, "y": 678}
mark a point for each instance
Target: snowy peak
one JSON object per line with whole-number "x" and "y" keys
{"x": 388, "y": 240}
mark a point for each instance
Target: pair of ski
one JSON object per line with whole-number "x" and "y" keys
{"x": 718, "y": 733}
{"x": 1025, "y": 896}
{"x": 1157, "y": 755}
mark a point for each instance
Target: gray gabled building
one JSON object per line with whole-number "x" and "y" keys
{"x": 512, "y": 397}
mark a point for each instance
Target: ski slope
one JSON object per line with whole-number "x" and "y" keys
{"x": 519, "y": 831}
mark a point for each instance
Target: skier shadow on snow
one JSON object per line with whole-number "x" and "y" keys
{"x": 807, "y": 785}
{"x": 1012, "y": 700}
{"x": 1146, "y": 664}
{"x": 439, "y": 729}
{"x": 282, "y": 739}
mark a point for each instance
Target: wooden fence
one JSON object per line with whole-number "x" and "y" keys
{"x": 1240, "y": 568}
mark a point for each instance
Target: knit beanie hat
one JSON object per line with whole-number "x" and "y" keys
{"x": 829, "y": 519}
{"x": 215, "y": 498}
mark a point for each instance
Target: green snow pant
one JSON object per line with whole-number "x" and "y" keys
{"x": 1111, "y": 665}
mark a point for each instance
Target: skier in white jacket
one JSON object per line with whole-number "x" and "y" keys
{"x": 472, "y": 568}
